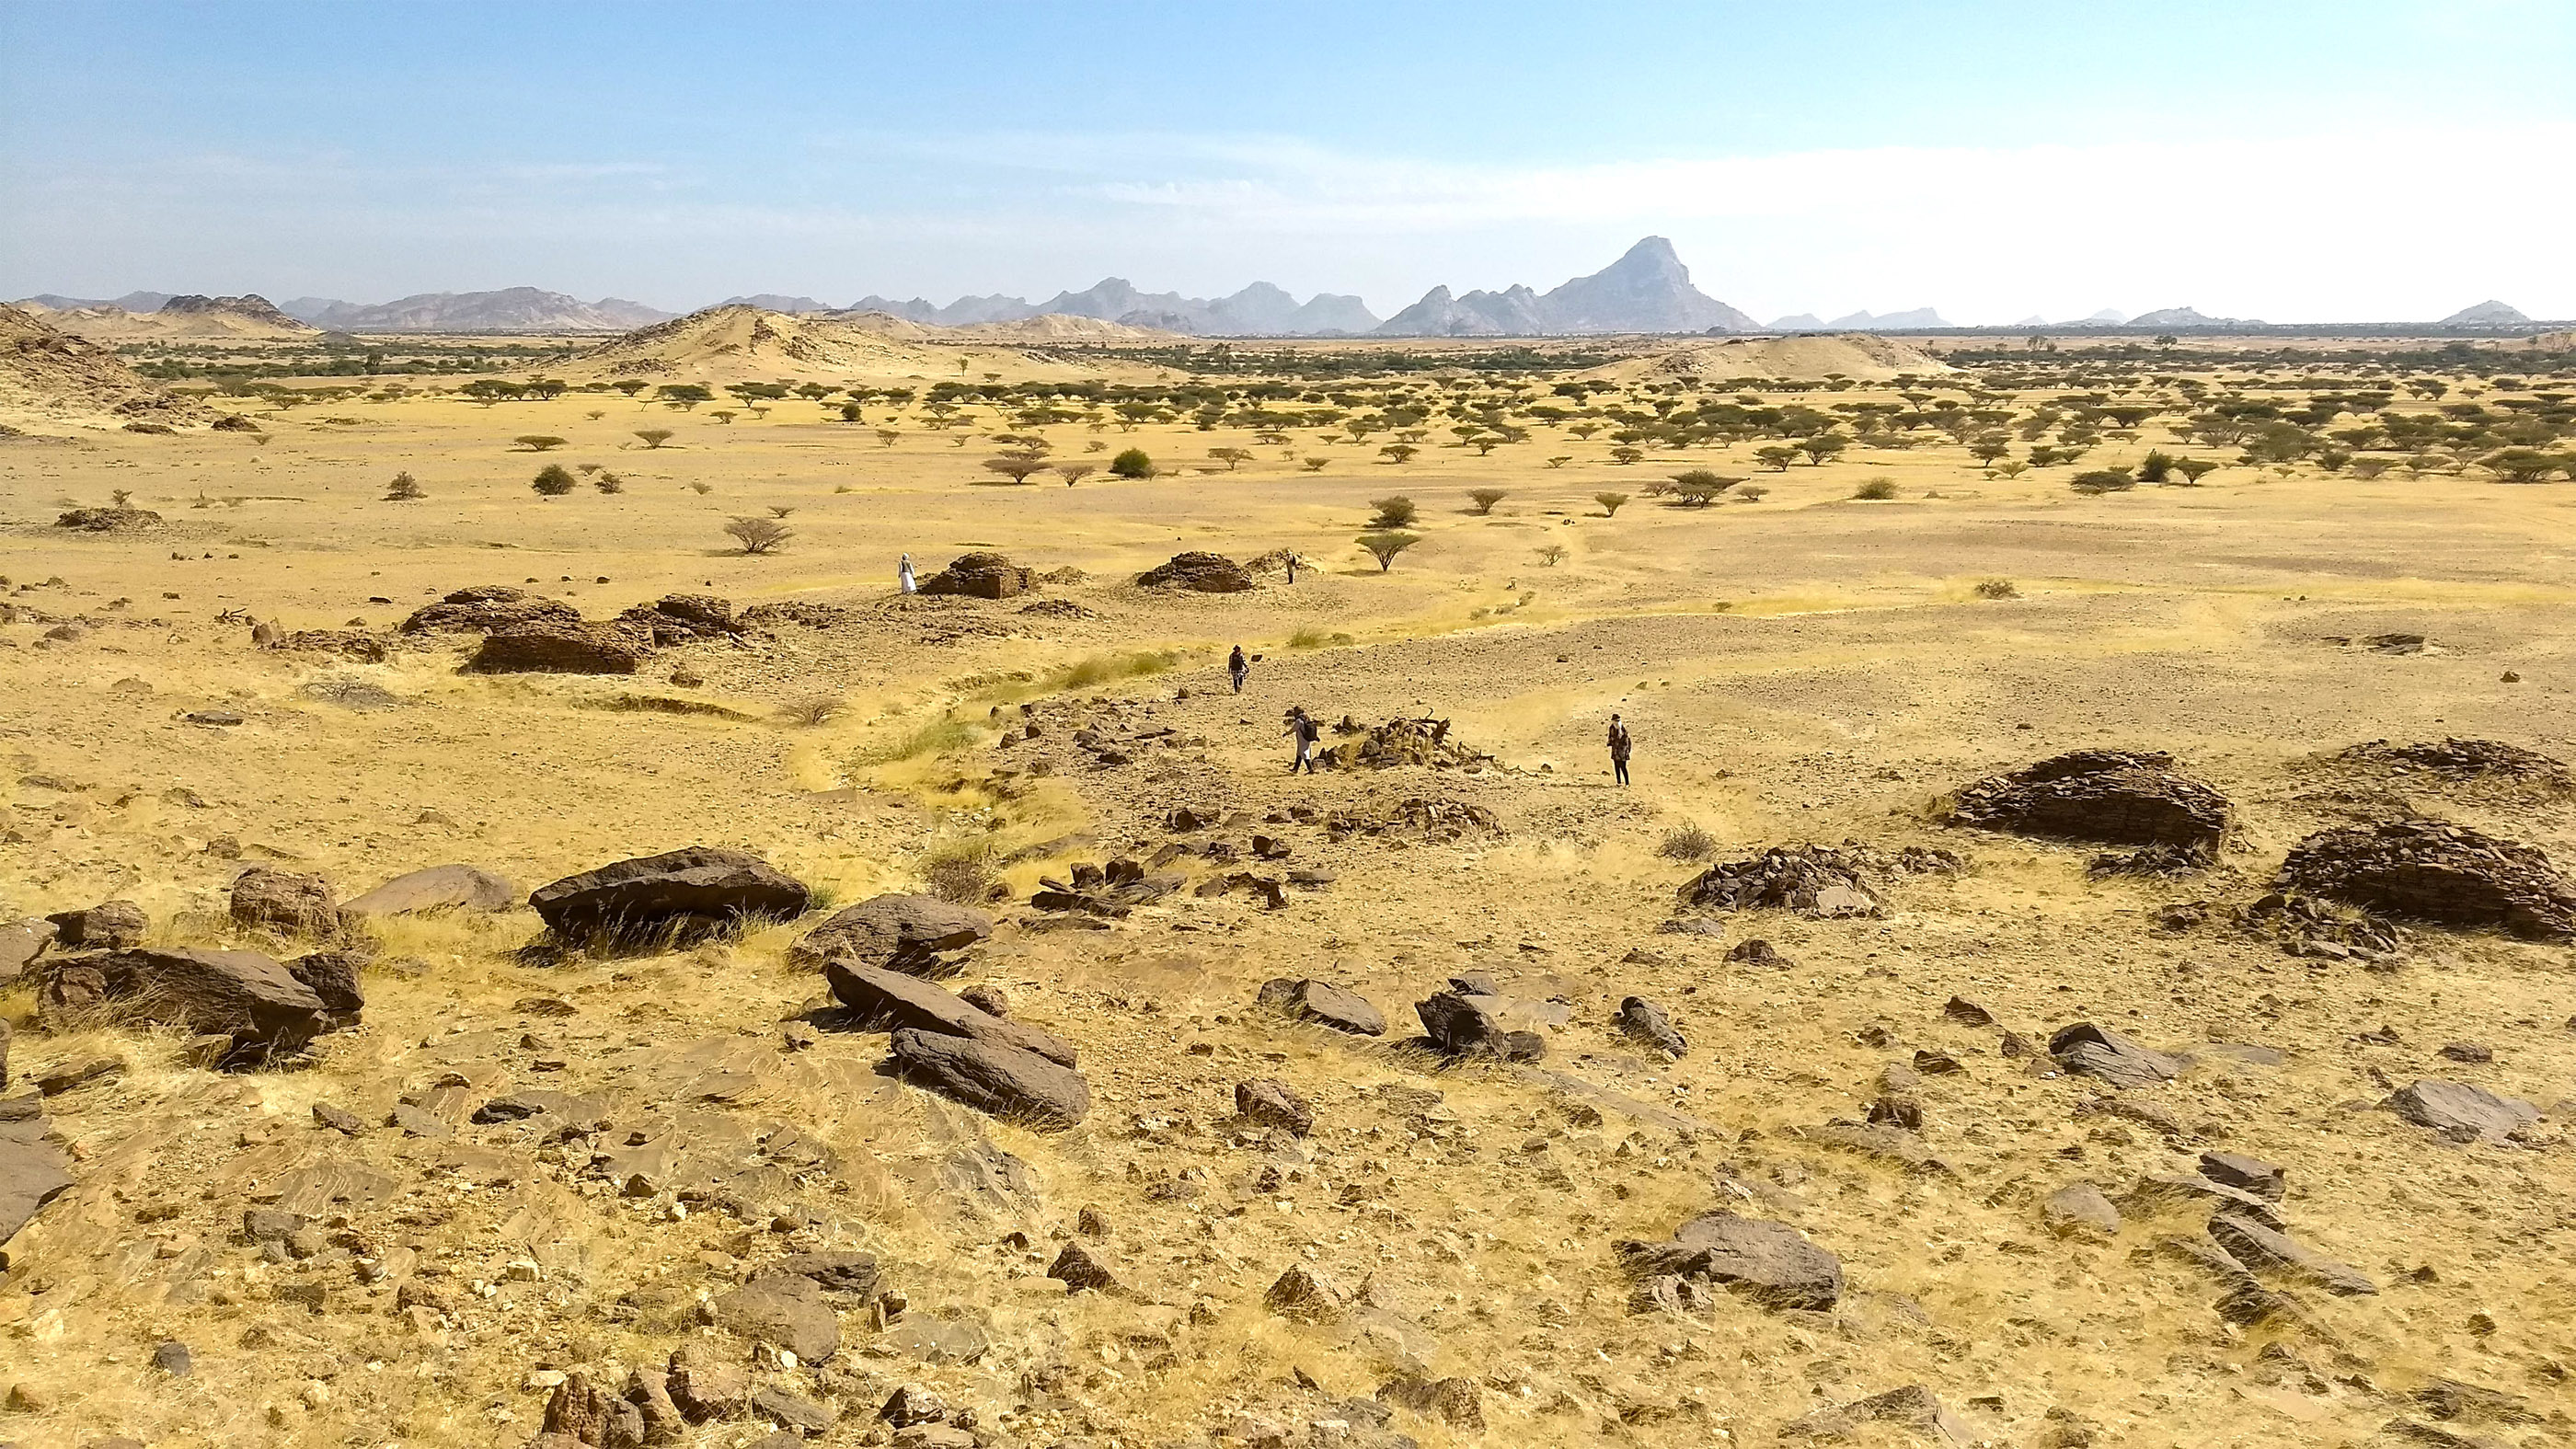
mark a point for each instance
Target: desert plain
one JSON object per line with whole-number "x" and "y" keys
{"x": 1384, "y": 1236}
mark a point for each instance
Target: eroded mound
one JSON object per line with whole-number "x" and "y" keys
{"x": 2430, "y": 871}
{"x": 486, "y": 607}
{"x": 1400, "y": 742}
{"x": 2459, "y": 759}
{"x": 1203, "y": 573}
{"x": 1813, "y": 880}
{"x": 2117, "y": 797}
{"x": 980, "y": 576}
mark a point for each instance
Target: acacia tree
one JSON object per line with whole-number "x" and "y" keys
{"x": 654, "y": 437}
{"x": 1018, "y": 467}
{"x": 759, "y": 535}
{"x": 2194, "y": 469}
{"x": 1822, "y": 446}
{"x": 1385, "y": 546}
{"x": 1395, "y": 512}
{"x": 1232, "y": 458}
{"x": 1609, "y": 503}
{"x": 1486, "y": 498}
{"x": 1398, "y": 452}
{"x": 1075, "y": 472}
{"x": 538, "y": 442}
{"x": 682, "y": 395}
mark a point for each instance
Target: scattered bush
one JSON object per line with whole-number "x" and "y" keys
{"x": 1398, "y": 453}
{"x": 1486, "y": 498}
{"x": 759, "y": 535}
{"x": 1317, "y": 465}
{"x": 405, "y": 489}
{"x": 1133, "y": 463}
{"x": 1395, "y": 512}
{"x": 1997, "y": 589}
{"x": 538, "y": 442}
{"x": 554, "y": 480}
{"x": 1385, "y": 546}
{"x": 960, "y": 871}
{"x": 654, "y": 437}
{"x": 608, "y": 483}
{"x": 813, "y": 711}
{"x": 2098, "y": 481}
{"x": 1687, "y": 842}
{"x": 1876, "y": 490}
{"x": 1609, "y": 503}
{"x": 702, "y": 489}
{"x": 1553, "y": 554}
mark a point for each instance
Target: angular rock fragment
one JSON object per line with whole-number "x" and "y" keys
{"x": 1911, "y": 1407}
{"x": 589, "y": 1415}
{"x": 1081, "y": 1271}
{"x": 833, "y": 1272}
{"x": 1462, "y": 1024}
{"x": 981, "y": 576}
{"x": 1198, "y": 572}
{"x": 783, "y": 1311}
{"x": 792, "y": 1411}
{"x": 1268, "y": 1102}
{"x": 1306, "y": 1296}
{"x": 678, "y": 895}
{"x": 333, "y": 976}
{"x": 912, "y": 934}
{"x": 879, "y": 996}
{"x": 439, "y": 887}
{"x": 2430, "y": 871}
{"x": 1453, "y": 1401}
{"x": 1886, "y": 1142}
{"x": 2118, "y": 797}
{"x": 108, "y": 926}
{"x": 683, "y": 618}
{"x": 2080, "y": 1207}
{"x": 992, "y": 1078}
{"x": 1642, "y": 1021}
{"x": 285, "y": 902}
{"x": 2101, "y": 1053}
{"x": 2246, "y": 1174}
{"x": 2264, "y": 1249}
{"x": 1324, "y": 1004}
{"x": 241, "y": 994}
{"x": 2461, "y": 1112}
{"x": 32, "y": 1168}
{"x": 1770, "y": 1262}
{"x": 705, "y": 1386}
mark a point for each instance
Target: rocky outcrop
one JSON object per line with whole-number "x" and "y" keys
{"x": 285, "y": 902}
{"x": 878, "y": 996}
{"x": 678, "y": 895}
{"x": 916, "y": 935}
{"x": 109, "y": 925}
{"x": 2430, "y": 871}
{"x": 1463, "y": 1023}
{"x": 32, "y": 1165}
{"x": 994, "y": 1078}
{"x": 108, "y": 520}
{"x": 1324, "y": 1004}
{"x": 683, "y": 619}
{"x": 1202, "y": 573}
{"x": 981, "y": 576}
{"x": 559, "y": 647}
{"x": 1772, "y": 1263}
{"x": 1813, "y": 880}
{"x": 439, "y": 887}
{"x": 2459, "y": 1111}
{"x": 2115, "y": 797}
{"x": 486, "y": 607}
{"x": 251, "y": 998}
{"x": 2107, "y": 1056}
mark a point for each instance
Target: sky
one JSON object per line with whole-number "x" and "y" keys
{"x": 2292, "y": 161}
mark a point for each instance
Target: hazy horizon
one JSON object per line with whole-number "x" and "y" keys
{"x": 2295, "y": 163}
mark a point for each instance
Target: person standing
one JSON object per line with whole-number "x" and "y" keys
{"x": 903, "y": 576}
{"x": 1292, "y": 568}
{"x": 1619, "y": 747}
{"x": 1238, "y": 666}
{"x": 1302, "y": 728}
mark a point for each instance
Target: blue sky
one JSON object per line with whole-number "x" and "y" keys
{"x": 2287, "y": 160}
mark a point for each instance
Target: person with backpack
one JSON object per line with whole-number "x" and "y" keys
{"x": 1302, "y": 727}
{"x": 1238, "y": 666}
{"x": 1619, "y": 748}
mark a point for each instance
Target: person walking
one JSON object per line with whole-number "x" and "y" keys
{"x": 1292, "y": 568}
{"x": 1238, "y": 666}
{"x": 1619, "y": 747}
{"x": 1302, "y": 728}
{"x": 903, "y": 576}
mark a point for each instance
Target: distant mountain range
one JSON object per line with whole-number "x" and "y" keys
{"x": 1920, "y": 317}
{"x": 1647, "y": 290}
{"x": 512, "y": 309}
{"x": 1260, "y": 310}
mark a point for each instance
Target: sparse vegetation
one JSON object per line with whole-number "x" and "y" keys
{"x": 654, "y": 437}
{"x": 759, "y": 535}
{"x": 554, "y": 480}
{"x": 1552, "y": 554}
{"x": 1997, "y": 589}
{"x": 1687, "y": 842}
{"x": 1610, "y": 503}
{"x": 1876, "y": 490}
{"x": 1132, "y": 463}
{"x": 404, "y": 489}
{"x": 537, "y": 442}
{"x": 1394, "y": 512}
{"x": 1385, "y": 546}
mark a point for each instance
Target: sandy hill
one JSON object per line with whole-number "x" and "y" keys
{"x": 735, "y": 344}
{"x": 1861, "y": 356}
{"x": 50, "y": 375}
{"x": 248, "y": 318}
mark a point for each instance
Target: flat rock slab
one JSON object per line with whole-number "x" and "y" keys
{"x": 2080, "y": 1207}
{"x": 551, "y": 646}
{"x": 31, "y": 1171}
{"x": 877, "y": 995}
{"x": 1324, "y": 1004}
{"x": 1911, "y": 1407}
{"x": 913, "y": 934}
{"x": 438, "y": 888}
{"x": 783, "y": 1311}
{"x": 1770, "y": 1262}
{"x": 675, "y": 895}
{"x": 2460, "y": 1111}
{"x": 992, "y": 1078}
{"x": 2107, "y": 1056}
{"x": 242, "y": 994}
{"x": 2264, "y": 1249}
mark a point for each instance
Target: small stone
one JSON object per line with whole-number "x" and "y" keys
{"x": 172, "y": 1359}
{"x": 2078, "y": 1208}
{"x": 2469, "y": 1051}
{"x": 1269, "y": 1103}
{"x": 1080, "y": 1271}
{"x": 913, "y": 1404}
{"x": 1305, "y": 1296}
{"x": 2249, "y": 1174}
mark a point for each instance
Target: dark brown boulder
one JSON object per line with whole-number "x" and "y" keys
{"x": 678, "y": 895}
{"x": 981, "y": 576}
{"x": 1324, "y": 1004}
{"x": 333, "y": 976}
{"x": 1831, "y": 882}
{"x": 109, "y": 926}
{"x": 1644, "y": 1022}
{"x": 1268, "y": 1102}
{"x": 1198, "y": 572}
{"x": 875, "y": 995}
{"x": 31, "y": 1167}
{"x": 2118, "y": 797}
{"x": 285, "y": 902}
{"x": 108, "y": 520}
{"x": 912, "y": 934}
{"x": 256, "y": 1001}
{"x": 2430, "y": 871}
{"x": 486, "y": 607}
{"x": 590, "y": 1415}
{"x": 557, "y": 647}
{"x": 1461, "y": 1024}
{"x": 783, "y": 1311}
{"x": 439, "y": 887}
{"x": 1772, "y": 1263}
{"x": 992, "y": 1078}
